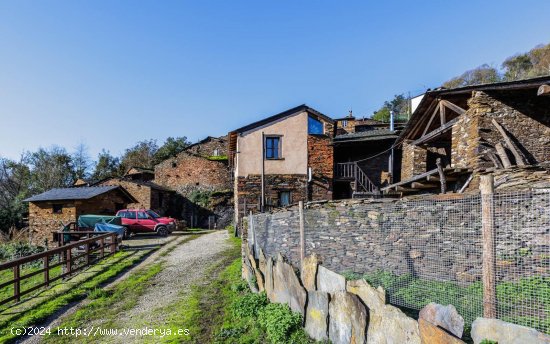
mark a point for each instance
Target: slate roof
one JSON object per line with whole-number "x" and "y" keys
{"x": 84, "y": 192}
{"x": 371, "y": 135}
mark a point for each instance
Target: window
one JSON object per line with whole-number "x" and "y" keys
{"x": 344, "y": 123}
{"x": 131, "y": 215}
{"x": 273, "y": 147}
{"x": 57, "y": 208}
{"x": 153, "y": 214}
{"x": 314, "y": 126}
{"x": 216, "y": 152}
{"x": 284, "y": 198}
{"x": 174, "y": 164}
{"x": 142, "y": 215}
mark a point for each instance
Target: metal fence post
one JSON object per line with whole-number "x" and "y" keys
{"x": 488, "y": 235}
{"x": 302, "y": 233}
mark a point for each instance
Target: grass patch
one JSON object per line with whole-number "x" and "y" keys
{"x": 516, "y": 298}
{"x": 107, "y": 305}
{"x": 62, "y": 296}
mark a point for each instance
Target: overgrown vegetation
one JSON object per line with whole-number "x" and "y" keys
{"x": 513, "y": 296}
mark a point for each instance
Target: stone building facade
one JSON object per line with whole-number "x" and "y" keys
{"x": 148, "y": 195}
{"x": 50, "y": 210}
{"x": 474, "y": 129}
{"x": 290, "y": 152}
{"x": 200, "y": 177}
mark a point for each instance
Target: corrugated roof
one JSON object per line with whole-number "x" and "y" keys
{"x": 84, "y": 192}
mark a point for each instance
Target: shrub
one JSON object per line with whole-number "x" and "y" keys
{"x": 279, "y": 322}
{"x": 249, "y": 305}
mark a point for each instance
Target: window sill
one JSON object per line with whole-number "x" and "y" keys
{"x": 274, "y": 159}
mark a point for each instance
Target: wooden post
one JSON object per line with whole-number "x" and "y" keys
{"x": 511, "y": 145}
{"x": 441, "y": 175}
{"x": 68, "y": 263}
{"x": 488, "y": 236}
{"x": 87, "y": 254}
{"x": 46, "y": 270}
{"x": 302, "y": 233}
{"x": 503, "y": 156}
{"x": 102, "y": 247}
{"x": 113, "y": 243}
{"x": 16, "y": 283}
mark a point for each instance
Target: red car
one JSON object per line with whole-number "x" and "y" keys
{"x": 146, "y": 221}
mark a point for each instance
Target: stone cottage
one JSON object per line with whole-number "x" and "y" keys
{"x": 281, "y": 160}
{"x": 454, "y": 135}
{"x": 200, "y": 176}
{"x": 49, "y": 210}
{"x": 148, "y": 194}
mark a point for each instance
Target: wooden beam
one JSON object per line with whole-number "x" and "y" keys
{"x": 466, "y": 183}
{"x": 430, "y": 121}
{"x": 433, "y": 134}
{"x": 453, "y": 107}
{"x": 418, "y": 185}
{"x": 441, "y": 176}
{"x": 544, "y": 90}
{"x": 493, "y": 157}
{"x": 511, "y": 145}
{"x": 442, "y": 113}
{"x": 487, "y": 188}
{"x": 418, "y": 126}
{"x": 502, "y": 154}
{"x": 437, "y": 179}
{"x": 403, "y": 189}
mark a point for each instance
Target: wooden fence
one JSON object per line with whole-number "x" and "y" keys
{"x": 92, "y": 249}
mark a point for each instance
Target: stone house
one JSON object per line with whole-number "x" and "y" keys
{"x": 281, "y": 160}
{"x": 200, "y": 176}
{"x": 363, "y": 156}
{"x": 454, "y": 135}
{"x": 49, "y": 210}
{"x": 148, "y": 195}
{"x": 140, "y": 173}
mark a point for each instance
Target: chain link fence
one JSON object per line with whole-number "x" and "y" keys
{"x": 429, "y": 250}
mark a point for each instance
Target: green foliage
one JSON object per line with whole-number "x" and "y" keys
{"x": 249, "y": 305}
{"x": 14, "y": 250}
{"x": 483, "y": 74}
{"x": 279, "y": 322}
{"x": 142, "y": 154}
{"x": 202, "y": 198}
{"x": 488, "y": 341}
{"x": 50, "y": 168}
{"x": 171, "y": 147}
{"x": 107, "y": 166}
{"x": 217, "y": 158}
{"x": 399, "y": 105}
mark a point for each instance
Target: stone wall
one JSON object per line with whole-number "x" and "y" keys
{"x": 209, "y": 146}
{"x": 425, "y": 238}
{"x": 321, "y": 161}
{"x": 413, "y": 161}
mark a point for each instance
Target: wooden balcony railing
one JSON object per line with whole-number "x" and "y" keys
{"x": 353, "y": 172}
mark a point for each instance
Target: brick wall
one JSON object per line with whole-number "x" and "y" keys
{"x": 321, "y": 160}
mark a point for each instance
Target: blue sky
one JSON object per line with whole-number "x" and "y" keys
{"x": 111, "y": 73}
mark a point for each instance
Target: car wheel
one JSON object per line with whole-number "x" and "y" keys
{"x": 162, "y": 231}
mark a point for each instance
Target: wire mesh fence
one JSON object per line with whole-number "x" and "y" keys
{"x": 429, "y": 250}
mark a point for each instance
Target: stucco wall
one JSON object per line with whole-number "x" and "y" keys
{"x": 294, "y": 148}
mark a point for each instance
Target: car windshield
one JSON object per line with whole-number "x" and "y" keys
{"x": 153, "y": 214}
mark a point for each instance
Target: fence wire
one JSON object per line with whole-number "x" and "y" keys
{"x": 424, "y": 251}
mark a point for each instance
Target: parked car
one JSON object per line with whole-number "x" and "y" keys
{"x": 146, "y": 221}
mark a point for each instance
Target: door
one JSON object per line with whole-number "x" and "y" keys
{"x": 145, "y": 222}
{"x": 129, "y": 220}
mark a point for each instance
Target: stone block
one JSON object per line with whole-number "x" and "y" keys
{"x": 286, "y": 287}
{"x": 316, "y": 320}
{"x": 390, "y": 325}
{"x": 431, "y": 334}
{"x": 329, "y": 281}
{"x": 309, "y": 272}
{"x": 347, "y": 319}
{"x": 506, "y": 333}
{"x": 445, "y": 317}
{"x": 373, "y": 298}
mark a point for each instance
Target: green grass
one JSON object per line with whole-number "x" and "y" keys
{"x": 61, "y": 295}
{"x": 516, "y": 300}
{"x": 107, "y": 305}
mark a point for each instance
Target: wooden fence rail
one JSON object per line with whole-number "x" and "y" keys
{"x": 97, "y": 243}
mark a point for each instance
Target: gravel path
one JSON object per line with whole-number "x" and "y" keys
{"x": 183, "y": 266}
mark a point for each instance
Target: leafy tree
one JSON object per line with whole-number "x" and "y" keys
{"x": 540, "y": 59}
{"x": 171, "y": 147}
{"x": 517, "y": 67}
{"x": 14, "y": 187}
{"x": 50, "y": 168}
{"x": 107, "y": 166}
{"x": 141, "y": 155}
{"x": 399, "y": 105}
{"x": 483, "y": 74}
{"x": 81, "y": 161}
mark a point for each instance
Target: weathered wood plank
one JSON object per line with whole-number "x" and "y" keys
{"x": 453, "y": 107}
{"x": 488, "y": 237}
{"x": 544, "y": 90}
{"x": 511, "y": 145}
{"x": 502, "y": 154}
